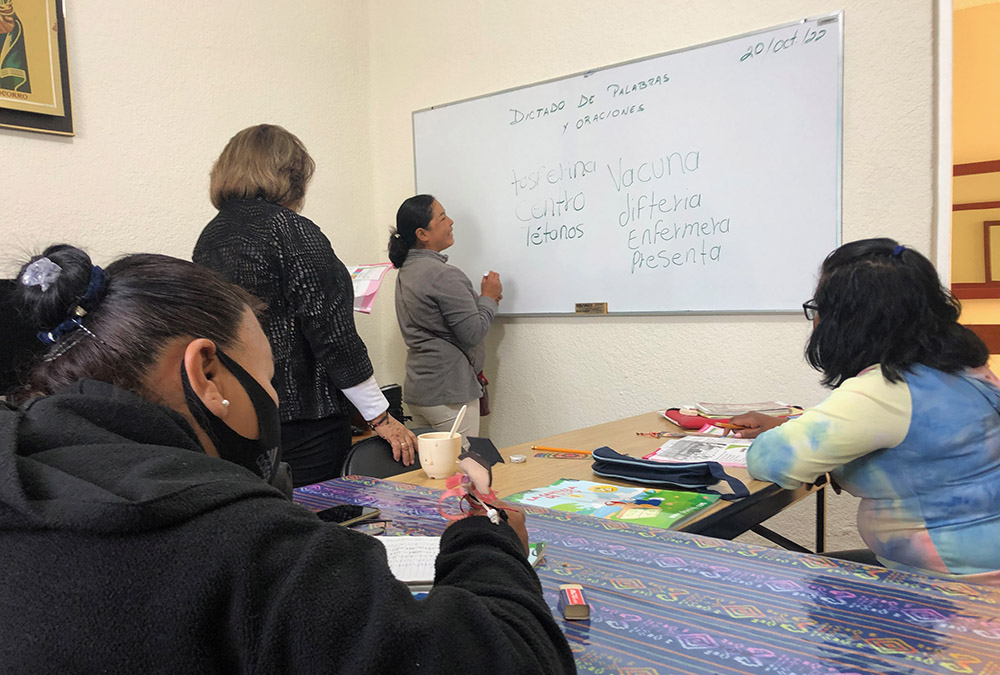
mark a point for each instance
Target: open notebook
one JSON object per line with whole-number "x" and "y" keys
{"x": 411, "y": 559}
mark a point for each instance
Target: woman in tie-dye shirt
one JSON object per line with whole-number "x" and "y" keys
{"x": 913, "y": 424}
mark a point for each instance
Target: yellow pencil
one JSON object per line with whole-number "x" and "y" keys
{"x": 575, "y": 452}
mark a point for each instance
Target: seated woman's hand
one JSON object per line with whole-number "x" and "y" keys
{"x": 402, "y": 440}
{"x": 515, "y": 518}
{"x": 754, "y": 424}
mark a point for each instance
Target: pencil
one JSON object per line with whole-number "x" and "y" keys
{"x": 575, "y": 452}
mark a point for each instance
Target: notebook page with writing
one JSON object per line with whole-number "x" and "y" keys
{"x": 411, "y": 559}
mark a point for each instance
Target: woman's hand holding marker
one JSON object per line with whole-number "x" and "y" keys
{"x": 491, "y": 286}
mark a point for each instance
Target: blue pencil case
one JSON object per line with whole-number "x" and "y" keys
{"x": 694, "y": 476}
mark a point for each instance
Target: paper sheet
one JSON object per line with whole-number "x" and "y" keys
{"x": 366, "y": 280}
{"x": 726, "y": 450}
{"x": 411, "y": 559}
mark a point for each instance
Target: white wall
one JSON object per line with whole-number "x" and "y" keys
{"x": 556, "y": 374}
{"x": 158, "y": 89}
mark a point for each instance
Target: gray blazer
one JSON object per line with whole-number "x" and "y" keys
{"x": 444, "y": 323}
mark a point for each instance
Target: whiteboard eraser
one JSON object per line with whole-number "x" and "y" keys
{"x": 591, "y": 308}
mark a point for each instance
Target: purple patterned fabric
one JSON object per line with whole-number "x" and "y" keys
{"x": 669, "y": 602}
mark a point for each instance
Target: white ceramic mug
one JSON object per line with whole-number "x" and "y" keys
{"x": 438, "y": 452}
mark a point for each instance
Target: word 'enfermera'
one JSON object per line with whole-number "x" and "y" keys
{"x": 662, "y": 232}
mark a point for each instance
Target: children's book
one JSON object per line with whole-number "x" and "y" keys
{"x": 643, "y": 506}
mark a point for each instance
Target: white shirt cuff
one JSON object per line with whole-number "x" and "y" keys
{"x": 367, "y": 398}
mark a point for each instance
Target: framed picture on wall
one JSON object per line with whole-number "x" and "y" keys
{"x": 34, "y": 69}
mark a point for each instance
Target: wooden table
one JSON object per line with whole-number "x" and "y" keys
{"x": 723, "y": 519}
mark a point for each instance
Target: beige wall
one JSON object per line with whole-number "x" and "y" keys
{"x": 158, "y": 90}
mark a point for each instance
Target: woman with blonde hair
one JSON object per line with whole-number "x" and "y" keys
{"x": 261, "y": 242}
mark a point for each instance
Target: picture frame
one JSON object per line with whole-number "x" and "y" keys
{"x": 34, "y": 67}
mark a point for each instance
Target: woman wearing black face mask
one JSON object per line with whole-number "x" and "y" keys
{"x": 117, "y": 513}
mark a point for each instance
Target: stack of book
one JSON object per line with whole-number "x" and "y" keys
{"x": 714, "y": 410}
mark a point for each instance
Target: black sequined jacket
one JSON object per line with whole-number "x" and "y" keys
{"x": 286, "y": 261}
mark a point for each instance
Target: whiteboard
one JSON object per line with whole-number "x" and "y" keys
{"x": 701, "y": 180}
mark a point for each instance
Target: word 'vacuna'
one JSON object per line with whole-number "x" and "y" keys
{"x": 663, "y": 258}
{"x": 542, "y": 234}
{"x": 538, "y": 113}
{"x": 551, "y": 207}
{"x": 649, "y": 206}
{"x": 553, "y": 175}
{"x": 623, "y": 89}
{"x": 661, "y": 167}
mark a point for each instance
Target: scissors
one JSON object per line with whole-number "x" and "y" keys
{"x": 473, "y": 486}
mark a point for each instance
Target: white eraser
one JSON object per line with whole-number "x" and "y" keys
{"x": 518, "y": 459}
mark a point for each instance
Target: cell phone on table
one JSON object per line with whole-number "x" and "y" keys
{"x": 348, "y": 514}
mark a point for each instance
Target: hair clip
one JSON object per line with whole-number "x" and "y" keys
{"x": 898, "y": 251}
{"x": 42, "y": 272}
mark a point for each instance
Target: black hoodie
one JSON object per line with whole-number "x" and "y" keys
{"x": 125, "y": 549}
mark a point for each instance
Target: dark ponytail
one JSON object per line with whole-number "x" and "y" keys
{"x": 116, "y": 334}
{"x": 413, "y": 214}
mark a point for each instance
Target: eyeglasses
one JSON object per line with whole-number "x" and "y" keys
{"x": 810, "y": 309}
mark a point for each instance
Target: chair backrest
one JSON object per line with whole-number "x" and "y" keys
{"x": 373, "y": 457}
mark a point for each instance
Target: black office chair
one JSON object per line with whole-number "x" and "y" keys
{"x": 373, "y": 457}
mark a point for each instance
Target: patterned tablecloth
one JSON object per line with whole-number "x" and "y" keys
{"x": 669, "y": 602}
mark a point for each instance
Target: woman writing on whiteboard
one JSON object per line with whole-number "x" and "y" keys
{"x": 261, "y": 242}
{"x": 912, "y": 426}
{"x": 442, "y": 319}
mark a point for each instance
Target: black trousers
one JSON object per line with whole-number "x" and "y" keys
{"x": 315, "y": 449}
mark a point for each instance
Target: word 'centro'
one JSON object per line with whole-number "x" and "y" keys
{"x": 553, "y": 207}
